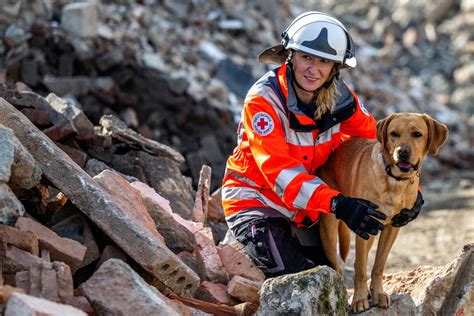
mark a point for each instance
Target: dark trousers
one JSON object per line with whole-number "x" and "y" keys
{"x": 275, "y": 249}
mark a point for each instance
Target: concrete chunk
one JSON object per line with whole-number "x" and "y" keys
{"x": 113, "y": 126}
{"x": 116, "y": 289}
{"x": 22, "y": 304}
{"x": 25, "y": 171}
{"x": 6, "y": 154}
{"x": 80, "y": 18}
{"x": 10, "y": 208}
{"x": 69, "y": 112}
{"x": 95, "y": 202}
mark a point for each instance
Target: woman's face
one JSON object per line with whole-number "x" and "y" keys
{"x": 311, "y": 73}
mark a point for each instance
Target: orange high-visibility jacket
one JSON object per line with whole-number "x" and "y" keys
{"x": 280, "y": 148}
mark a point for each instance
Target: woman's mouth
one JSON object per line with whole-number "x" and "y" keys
{"x": 311, "y": 79}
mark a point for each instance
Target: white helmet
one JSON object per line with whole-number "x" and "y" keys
{"x": 317, "y": 34}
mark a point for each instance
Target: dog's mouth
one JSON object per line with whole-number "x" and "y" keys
{"x": 406, "y": 166}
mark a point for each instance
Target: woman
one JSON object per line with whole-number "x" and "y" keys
{"x": 293, "y": 118}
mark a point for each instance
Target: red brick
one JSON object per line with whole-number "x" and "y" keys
{"x": 236, "y": 262}
{"x": 59, "y": 131}
{"x": 213, "y": 293}
{"x": 18, "y": 260}
{"x": 209, "y": 262}
{"x": 244, "y": 290}
{"x": 36, "y": 116}
{"x": 49, "y": 283}
{"x": 20, "y": 239}
{"x": 215, "y": 211}
{"x": 78, "y": 156}
{"x": 61, "y": 249}
{"x": 65, "y": 282}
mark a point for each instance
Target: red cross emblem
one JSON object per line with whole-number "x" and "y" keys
{"x": 263, "y": 123}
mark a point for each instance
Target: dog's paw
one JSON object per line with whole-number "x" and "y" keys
{"x": 381, "y": 300}
{"x": 361, "y": 305}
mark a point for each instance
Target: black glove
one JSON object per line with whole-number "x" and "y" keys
{"x": 407, "y": 215}
{"x": 358, "y": 214}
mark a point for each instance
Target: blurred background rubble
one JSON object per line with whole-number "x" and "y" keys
{"x": 177, "y": 71}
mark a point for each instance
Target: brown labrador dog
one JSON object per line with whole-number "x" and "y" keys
{"x": 386, "y": 172}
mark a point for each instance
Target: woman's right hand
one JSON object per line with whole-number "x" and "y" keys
{"x": 359, "y": 214}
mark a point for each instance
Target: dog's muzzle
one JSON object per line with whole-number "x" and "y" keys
{"x": 402, "y": 157}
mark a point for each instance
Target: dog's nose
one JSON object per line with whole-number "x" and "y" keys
{"x": 404, "y": 152}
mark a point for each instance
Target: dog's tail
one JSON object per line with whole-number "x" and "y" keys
{"x": 344, "y": 240}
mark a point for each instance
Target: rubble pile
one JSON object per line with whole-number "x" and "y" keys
{"x": 177, "y": 71}
{"x": 62, "y": 218}
{"x": 81, "y": 238}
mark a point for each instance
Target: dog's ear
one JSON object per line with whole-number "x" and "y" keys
{"x": 382, "y": 126}
{"x": 438, "y": 133}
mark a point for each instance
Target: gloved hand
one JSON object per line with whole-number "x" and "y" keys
{"x": 358, "y": 214}
{"x": 407, "y": 215}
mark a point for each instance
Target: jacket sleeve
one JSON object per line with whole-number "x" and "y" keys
{"x": 285, "y": 175}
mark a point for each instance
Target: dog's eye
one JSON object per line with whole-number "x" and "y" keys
{"x": 394, "y": 134}
{"x": 417, "y": 134}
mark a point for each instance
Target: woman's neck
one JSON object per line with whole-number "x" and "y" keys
{"x": 305, "y": 96}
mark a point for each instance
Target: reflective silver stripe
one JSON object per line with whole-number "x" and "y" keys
{"x": 327, "y": 135}
{"x": 285, "y": 177}
{"x": 261, "y": 88}
{"x": 306, "y": 191}
{"x": 274, "y": 206}
{"x": 243, "y": 179}
{"x": 244, "y": 193}
{"x": 238, "y": 193}
{"x": 299, "y": 138}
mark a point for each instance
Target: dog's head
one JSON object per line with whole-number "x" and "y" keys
{"x": 406, "y": 138}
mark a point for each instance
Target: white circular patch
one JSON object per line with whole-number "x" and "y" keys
{"x": 263, "y": 123}
{"x": 362, "y": 108}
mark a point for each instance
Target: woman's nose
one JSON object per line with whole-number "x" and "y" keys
{"x": 314, "y": 66}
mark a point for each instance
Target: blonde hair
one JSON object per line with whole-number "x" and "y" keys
{"x": 326, "y": 100}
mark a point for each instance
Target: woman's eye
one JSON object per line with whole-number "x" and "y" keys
{"x": 324, "y": 61}
{"x": 394, "y": 134}
{"x": 307, "y": 57}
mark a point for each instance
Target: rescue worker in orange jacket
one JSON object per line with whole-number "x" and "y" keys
{"x": 293, "y": 119}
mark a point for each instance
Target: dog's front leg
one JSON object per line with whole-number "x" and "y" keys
{"x": 360, "y": 301}
{"x": 387, "y": 238}
{"x": 328, "y": 231}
